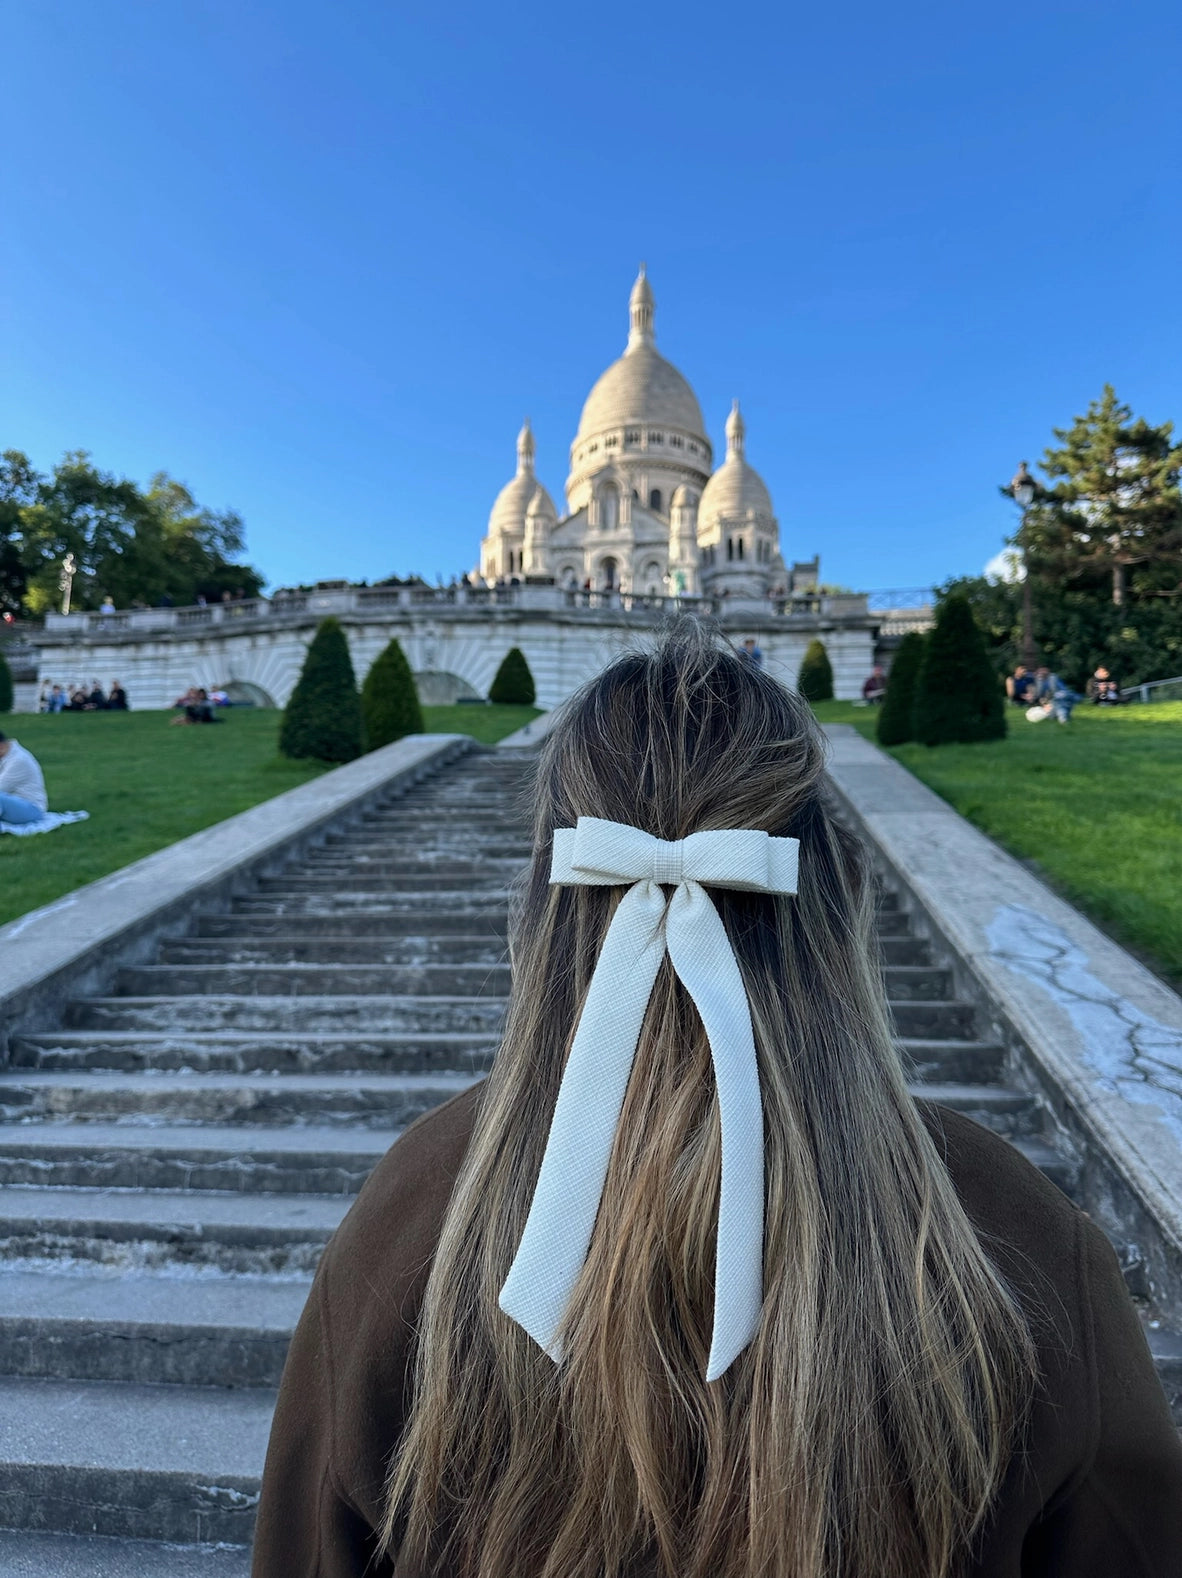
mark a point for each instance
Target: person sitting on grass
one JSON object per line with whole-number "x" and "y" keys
{"x": 197, "y": 706}
{"x": 116, "y": 698}
{"x": 1020, "y": 686}
{"x": 1102, "y": 689}
{"x": 22, "y": 785}
{"x": 874, "y": 686}
{"x": 1052, "y": 696}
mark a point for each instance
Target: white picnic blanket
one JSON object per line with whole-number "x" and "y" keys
{"x": 48, "y": 822}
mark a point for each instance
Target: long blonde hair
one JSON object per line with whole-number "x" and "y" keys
{"x": 865, "y": 1431}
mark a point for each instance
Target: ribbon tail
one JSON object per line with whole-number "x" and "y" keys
{"x": 562, "y": 1216}
{"x": 704, "y": 960}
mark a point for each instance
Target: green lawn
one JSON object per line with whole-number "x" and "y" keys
{"x": 1096, "y": 806}
{"x": 146, "y": 785}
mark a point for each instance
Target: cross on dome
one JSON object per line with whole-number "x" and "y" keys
{"x": 525, "y": 450}
{"x": 736, "y": 431}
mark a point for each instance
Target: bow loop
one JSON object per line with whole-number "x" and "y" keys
{"x": 561, "y": 1218}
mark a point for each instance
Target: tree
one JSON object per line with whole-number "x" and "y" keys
{"x": 389, "y": 701}
{"x": 134, "y": 545}
{"x": 815, "y": 680}
{"x": 323, "y": 718}
{"x": 514, "y": 684}
{"x": 5, "y": 685}
{"x": 1115, "y": 513}
{"x": 958, "y": 698}
{"x": 895, "y": 718}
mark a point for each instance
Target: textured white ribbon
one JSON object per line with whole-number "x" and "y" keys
{"x": 562, "y": 1215}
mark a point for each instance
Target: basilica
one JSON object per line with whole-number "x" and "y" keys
{"x": 646, "y": 511}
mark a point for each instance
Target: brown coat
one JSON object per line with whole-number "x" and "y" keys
{"x": 1097, "y": 1493}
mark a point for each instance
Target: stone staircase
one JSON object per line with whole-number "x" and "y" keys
{"x": 176, "y": 1155}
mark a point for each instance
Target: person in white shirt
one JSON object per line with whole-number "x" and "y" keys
{"x": 22, "y": 787}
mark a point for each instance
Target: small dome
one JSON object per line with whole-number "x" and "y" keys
{"x": 540, "y": 505}
{"x": 736, "y": 491}
{"x": 515, "y": 498}
{"x": 683, "y": 494}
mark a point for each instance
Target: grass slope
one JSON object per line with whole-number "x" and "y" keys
{"x": 147, "y": 785}
{"x": 1096, "y": 806}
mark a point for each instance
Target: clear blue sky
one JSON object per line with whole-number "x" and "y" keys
{"x": 319, "y": 260}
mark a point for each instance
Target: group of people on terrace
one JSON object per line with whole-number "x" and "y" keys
{"x": 83, "y": 698}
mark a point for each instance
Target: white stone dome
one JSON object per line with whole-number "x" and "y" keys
{"x": 513, "y": 501}
{"x": 541, "y": 506}
{"x": 641, "y": 387}
{"x": 735, "y": 491}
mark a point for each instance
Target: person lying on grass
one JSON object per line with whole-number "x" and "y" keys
{"x": 22, "y": 784}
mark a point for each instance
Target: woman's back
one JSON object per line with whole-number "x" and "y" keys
{"x": 940, "y": 1373}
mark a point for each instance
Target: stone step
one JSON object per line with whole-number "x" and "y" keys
{"x": 1011, "y": 1113}
{"x": 946, "y": 1021}
{"x": 893, "y": 923}
{"x": 905, "y": 950}
{"x": 314, "y": 979}
{"x": 420, "y": 922}
{"x": 365, "y": 880}
{"x": 375, "y": 1100}
{"x": 24, "y": 1555}
{"x": 1061, "y": 1170}
{"x": 423, "y": 865}
{"x": 177, "y": 1232}
{"x": 365, "y": 906}
{"x": 407, "y": 952}
{"x": 292, "y": 1159}
{"x": 917, "y": 983}
{"x": 1166, "y": 1348}
{"x": 101, "y": 1325}
{"x": 138, "y": 1462}
{"x": 381, "y": 1015}
{"x": 955, "y": 1062}
{"x": 255, "y": 1052}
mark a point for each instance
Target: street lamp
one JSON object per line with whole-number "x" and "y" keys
{"x": 1023, "y": 488}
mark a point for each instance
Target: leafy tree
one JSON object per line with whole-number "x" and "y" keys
{"x": 895, "y": 716}
{"x": 133, "y": 545}
{"x": 1114, "y": 514}
{"x": 514, "y": 684}
{"x": 958, "y": 699}
{"x": 389, "y": 701}
{"x": 323, "y": 718}
{"x": 815, "y": 680}
{"x": 5, "y": 685}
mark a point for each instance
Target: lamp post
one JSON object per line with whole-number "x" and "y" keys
{"x": 66, "y": 580}
{"x": 1023, "y": 488}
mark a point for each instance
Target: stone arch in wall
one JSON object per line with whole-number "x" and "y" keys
{"x": 245, "y": 693}
{"x": 438, "y": 688}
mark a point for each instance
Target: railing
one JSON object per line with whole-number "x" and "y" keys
{"x": 538, "y": 596}
{"x": 1155, "y": 690}
{"x": 897, "y": 599}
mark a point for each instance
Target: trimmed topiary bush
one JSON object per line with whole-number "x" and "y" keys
{"x": 896, "y": 716}
{"x": 389, "y": 700}
{"x": 514, "y": 684}
{"x": 323, "y": 718}
{"x": 815, "y": 680}
{"x": 5, "y": 685}
{"x": 958, "y": 698}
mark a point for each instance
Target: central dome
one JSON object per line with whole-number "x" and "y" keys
{"x": 641, "y": 386}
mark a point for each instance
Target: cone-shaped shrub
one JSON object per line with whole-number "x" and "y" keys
{"x": 323, "y": 717}
{"x": 5, "y": 685}
{"x": 957, "y": 696}
{"x": 389, "y": 701}
{"x": 514, "y": 684}
{"x": 815, "y": 680}
{"x": 896, "y": 715}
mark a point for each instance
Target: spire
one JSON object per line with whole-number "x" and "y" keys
{"x": 736, "y": 432}
{"x": 640, "y": 312}
{"x": 525, "y": 450}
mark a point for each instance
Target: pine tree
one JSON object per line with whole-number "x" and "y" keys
{"x": 389, "y": 701}
{"x": 323, "y": 717}
{"x": 895, "y": 716}
{"x": 815, "y": 680}
{"x": 514, "y": 684}
{"x": 1115, "y": 512}
{"x": 5, "y": 685}
{"x": 958, "y": 697}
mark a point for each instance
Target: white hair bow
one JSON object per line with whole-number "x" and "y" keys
{"x": 562, "y": 1215}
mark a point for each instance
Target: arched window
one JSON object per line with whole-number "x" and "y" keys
{"x": 609, "y": 507}
{"x": 730, "y": 547}
{"x": 608, "y": 570}
{"x": 740, "y": 555}
{"x": 654, "y": 499}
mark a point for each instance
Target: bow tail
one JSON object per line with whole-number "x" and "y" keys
{"x": 701, "y": 954}
{"x": 562, "y": 1216}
